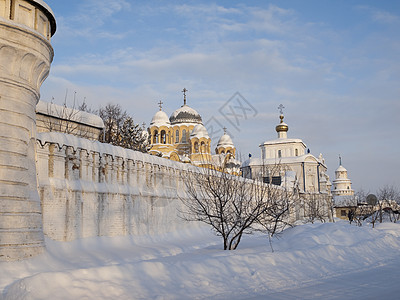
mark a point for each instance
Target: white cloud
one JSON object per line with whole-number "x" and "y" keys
{"x": 89, "y": 19}
{"x": 203, "y": 9}
{"x": 380, "y": 16}
{"x": 97, "y": 12}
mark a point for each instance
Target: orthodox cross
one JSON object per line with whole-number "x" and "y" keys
{"x": 144, "y": 125}
{"x": 340, "y": 160}
{"x": 160, "y": 104}
{"x": 281, "y": 107}
{"x": 224, "y": 130}
{"x": 184, "y": 95}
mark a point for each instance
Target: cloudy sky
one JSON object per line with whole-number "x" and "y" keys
{"x": 334, "y": 65}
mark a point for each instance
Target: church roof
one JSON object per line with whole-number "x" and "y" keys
{"x": 185, "y": 114}
{"x": 67, "y": 113}
{"x": 199, "y": 131}
{"x": 341, "y": 169}
{"x": 225, "y": 140}
{"x": 160, "y": 119}
{"x": 283, "y": 141}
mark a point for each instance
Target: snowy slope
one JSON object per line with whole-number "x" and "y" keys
{"x": 329, "y": 261}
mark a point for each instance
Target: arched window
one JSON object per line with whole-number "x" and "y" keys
{"x": 279, "y": 153}
{"x": 163, "y": 137}
{"x": 296, "y": 152}
{"x": 155, "y": 137}
{"x": 228, "y": 152}
{"x": 203, "y": 147}
{"x": 177, "y": 136}
{"x": 196, "y": 147}
{"x": 184, "y": 136}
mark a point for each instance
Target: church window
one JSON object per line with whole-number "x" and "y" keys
{"x": 203, "y": 147}
{"x": 275, "y": 180}
{"x": 177, "y": 136}
{"x": 196, "y": 147}
{"x": 279, "y": 153}
{"x": 184, "y": 136}
{"x": 163, "y": 137}
{"x": 296, "y": 152}
{"x": 155, "y": 137}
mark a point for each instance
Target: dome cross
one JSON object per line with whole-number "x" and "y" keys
{"x": 281, "y": 107}
{"x": 160, "y": 104}
{"x": 184, "y": 95}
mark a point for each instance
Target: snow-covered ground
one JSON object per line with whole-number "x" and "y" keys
{"x": 320, "y": 261}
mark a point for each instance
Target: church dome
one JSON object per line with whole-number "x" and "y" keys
{"x": 225, "y": 141}
{"x": 160, "y": 119}
{"x": 341, "y": 169}
{"x": 185, "y": 114}
{"x": 282, "y": 127}
{"x": 199, "y": 131}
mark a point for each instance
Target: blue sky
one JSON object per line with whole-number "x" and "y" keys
{"x": 334, "y": 65}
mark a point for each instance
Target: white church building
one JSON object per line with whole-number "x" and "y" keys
{"x": 287, "y": 162}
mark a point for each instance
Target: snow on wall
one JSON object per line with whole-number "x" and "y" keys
{"x": 92, "y": 189}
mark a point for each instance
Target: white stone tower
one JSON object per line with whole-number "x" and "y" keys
{"x": 342, "y": 184}
{"x": 26, "y": 27}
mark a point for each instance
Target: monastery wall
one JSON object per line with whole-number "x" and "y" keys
{"x": 90, "y": 189}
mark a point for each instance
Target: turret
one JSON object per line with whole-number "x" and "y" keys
{"x": 26, "y": 27}
{"x": 342, "y": 184}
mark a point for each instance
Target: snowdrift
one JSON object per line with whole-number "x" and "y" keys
{"x": 309, "y": 262}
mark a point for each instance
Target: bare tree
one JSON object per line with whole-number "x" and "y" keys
{"x": 316, "y": 207}
{"x": 65, "y": 118}
{"x": 120, "y": 129}
{"x": 232, "y": 205}
{"x": 276, "y": 217}
{"x": 84, "y": 107}
{"x": 388, "y": 201}
{"x": 113, "y": 117}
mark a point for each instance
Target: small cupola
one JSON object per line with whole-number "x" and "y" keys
{"x": 282, "y": 128}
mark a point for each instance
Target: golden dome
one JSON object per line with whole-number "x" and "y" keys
{"x": 282, "y": 126}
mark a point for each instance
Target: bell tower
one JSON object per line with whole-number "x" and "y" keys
{"x": 26, "y": 27}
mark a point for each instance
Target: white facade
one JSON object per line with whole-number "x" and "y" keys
{"x": 290, "y": 163}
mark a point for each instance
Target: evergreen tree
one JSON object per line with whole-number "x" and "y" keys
{"x": 120, "y": 129}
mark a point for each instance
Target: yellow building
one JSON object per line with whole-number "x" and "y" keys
{"x": 183, "y": 137}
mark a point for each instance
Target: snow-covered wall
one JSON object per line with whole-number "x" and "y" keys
{"x": 92, "y": 189}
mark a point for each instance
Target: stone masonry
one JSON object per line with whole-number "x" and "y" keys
{"x": 26, "y": 27}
